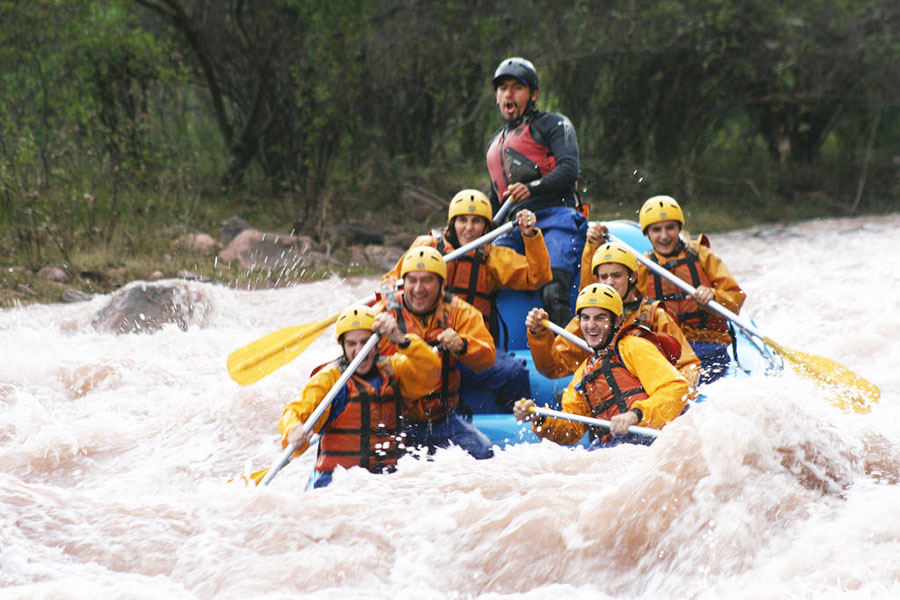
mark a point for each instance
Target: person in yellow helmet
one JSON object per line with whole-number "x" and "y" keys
{"x": 662, "y": 221}
{"x": 709, "y": 334}
{"x": 612, "y": 264}
{"x": 478, "y": 276}
{"x": 457, "y": 328}
{"x": 627, "y": 380}
{"x": 363, "y": 426}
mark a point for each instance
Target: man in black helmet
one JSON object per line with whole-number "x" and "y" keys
{"x": 533, "y": 162}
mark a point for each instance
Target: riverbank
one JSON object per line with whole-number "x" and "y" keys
{"x": 367, "y": 245}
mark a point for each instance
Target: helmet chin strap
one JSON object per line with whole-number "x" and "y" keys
{"x": 631, "y": 285}
{"x": 678, "y": 248}
{"x": 604, "y": 344}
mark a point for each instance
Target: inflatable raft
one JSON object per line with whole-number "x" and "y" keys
{"x": 502, "y": 428}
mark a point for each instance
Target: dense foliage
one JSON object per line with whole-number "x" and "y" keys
{"x": 120, "y": 115}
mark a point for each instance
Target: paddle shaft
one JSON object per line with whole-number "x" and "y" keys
{"x": 503, "y": 210}
{"x": 323, "y": 405}
{"x": 684, "y": 285}
{"x": 549, "y": 412}
{"x": 486, "y": 238}
{"x": 567, "y": 334}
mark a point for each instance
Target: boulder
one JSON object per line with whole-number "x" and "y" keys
{"x": 54, "y": 274}
{"x": 232, "y": 226}
{"x": 383, "y": 257}
{"x": 253, "y": 249}
{"x": 198, "y": 243}
{"x": 356, "y": 257}
{"x": 142, "y": 307}
{"x": 318, "y": 260}
{"x": 354, "y": 231}
{"x": 401, "y": 239}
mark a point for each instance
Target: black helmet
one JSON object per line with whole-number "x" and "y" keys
{"x": 518, "y": 68}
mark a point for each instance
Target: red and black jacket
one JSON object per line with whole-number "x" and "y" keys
{"x": 540, "y": 150}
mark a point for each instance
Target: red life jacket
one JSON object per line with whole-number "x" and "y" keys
{"x": 367, "y": 432}
{"x": 608, "y": 386}
{"x": 686, "y": 265}
{"x": 514, "y": 156}
{"x": 445, "y": 399}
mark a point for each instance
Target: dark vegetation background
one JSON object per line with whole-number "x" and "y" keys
{"x": 126, "y": 124}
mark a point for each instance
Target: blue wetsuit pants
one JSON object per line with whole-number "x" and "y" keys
{"x": 452, "y": 430}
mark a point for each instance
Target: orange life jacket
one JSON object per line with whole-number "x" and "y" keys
{"x": 608, "y": 386}
{"x": 641, "y": 311}
{"x": 467, "y": 278}
{"x": 444, "y": 400}
{"x": 367, "y": 432}
{"x": 686, "y": 265}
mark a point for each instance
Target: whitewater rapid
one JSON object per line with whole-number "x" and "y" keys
{"x": 115, "y": 455}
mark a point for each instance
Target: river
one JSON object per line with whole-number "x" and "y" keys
{"x": 115, "y": 455}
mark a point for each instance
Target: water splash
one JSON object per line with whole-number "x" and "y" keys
{"x": 115, "y": 453}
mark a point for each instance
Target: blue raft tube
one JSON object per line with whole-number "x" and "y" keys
{"x": 502, "y": 428}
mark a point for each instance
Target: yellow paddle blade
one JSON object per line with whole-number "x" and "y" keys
{"x": 255, "y": 477}
{"x": 257, "y": 359}
{"x": 850, "y": 390}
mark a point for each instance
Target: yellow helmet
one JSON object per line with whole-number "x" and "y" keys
{"x": 424, "y": 258}
{"x": 470, "y": 202}
{"x": 599, "y": 295}
{"x": 613, "y": 252}
{"x": 660, "y": 208}
{"x": 355, "y": 317}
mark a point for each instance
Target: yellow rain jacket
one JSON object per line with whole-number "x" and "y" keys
{"x": 667, "y": 390}
{"x": 416, "y": 370}
{"x": 557, "y": 357}
{"x": 587, "y": 257}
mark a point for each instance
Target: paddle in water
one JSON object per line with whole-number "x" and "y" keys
{"x": 847, "y": 389}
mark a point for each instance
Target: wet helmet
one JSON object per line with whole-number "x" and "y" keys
{"x": 660, "y": 208}
{"x": 599, "y": 295}
{"x": 424, "y": 258}
{"x": 519, "y": 68}
{"x": 613, "y": 252}
{"x": 470, "y": 202}
{"x": 355, "y": 317}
